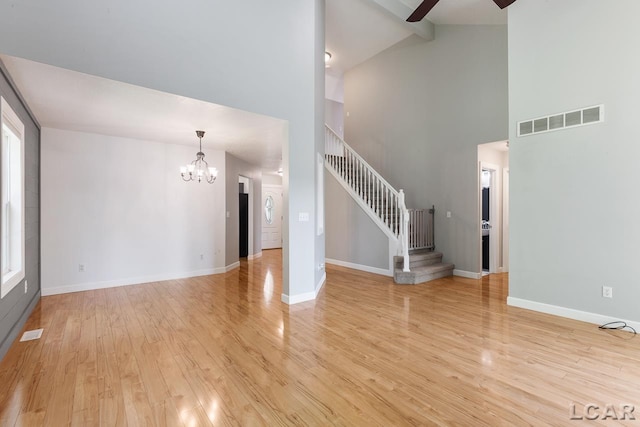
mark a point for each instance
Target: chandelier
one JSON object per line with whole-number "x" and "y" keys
{"x": 199, "y": 169}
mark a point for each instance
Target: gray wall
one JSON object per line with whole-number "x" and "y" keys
{"x": 351, "y": 235}
{"x": 417, "y": 112}
{"x": 263, "y": 57}
{"x": 575, "y": 209}
{"x": 16, "y": 306}
{"x": 235, "y": 167}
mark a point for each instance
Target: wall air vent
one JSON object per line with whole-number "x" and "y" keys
{"x": 570, "y": 119}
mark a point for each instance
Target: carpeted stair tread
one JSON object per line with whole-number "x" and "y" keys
{"x": 423, "y": 274}
{"x": 418, "y": 259}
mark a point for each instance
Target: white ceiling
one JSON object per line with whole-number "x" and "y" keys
{"x": 75, "y": 101}
{"x": 357, "y": 30}
{"x": 463, "y": 12}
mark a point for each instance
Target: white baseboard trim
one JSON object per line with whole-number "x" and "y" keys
{"x": 254, "y": 256}
{"x": 90, "y": 286}
{"x": 229, "y": 267}
{"x": 570, "y": 313}
{"x": 320, "y": 283}
{"x": 467, "y": 274}
{"x": 360, "y": 267}
{"x": 296, "y": 299}
{"x": 308, "y": 296}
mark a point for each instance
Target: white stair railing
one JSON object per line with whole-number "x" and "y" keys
{"x": 413, "y": 228}
{"x": 368, "y": 185}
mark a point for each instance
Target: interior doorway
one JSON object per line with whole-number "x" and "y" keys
{"x": 271, "y": 216}
{"x": 490, "y": 221}
{"x": 493, "y": 199}
{"x": 245, "y": 209}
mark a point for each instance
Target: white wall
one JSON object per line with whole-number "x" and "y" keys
{"x": 263, "y": 57}
{"x": 270, "y": 179}
{"x": 334, "y": 87}
{"x": 575, "y": 208}
{"x": 119, "y": 207}
{"x": 417, "y": 112}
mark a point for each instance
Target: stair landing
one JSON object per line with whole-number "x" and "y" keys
{"x": 425, "y": 266}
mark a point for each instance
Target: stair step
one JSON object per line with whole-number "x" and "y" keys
{"x": 419, "y": 259}
{"x": 423, "y": 274}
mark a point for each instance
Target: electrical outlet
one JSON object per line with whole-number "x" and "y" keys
{"x": 26, "y": 286}
{"x": 607, "y": 292}
{"x": 81, "y": 268}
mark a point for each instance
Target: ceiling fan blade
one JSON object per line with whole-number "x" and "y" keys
{"x": 422, "y": 10}
{"x": 503, "y": 3}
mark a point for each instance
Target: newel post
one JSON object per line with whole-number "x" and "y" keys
{"x": 404, "y": 232}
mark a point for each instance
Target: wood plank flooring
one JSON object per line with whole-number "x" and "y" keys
{"x": 223, "y": 350}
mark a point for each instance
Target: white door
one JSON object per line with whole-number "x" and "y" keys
{"x": 271, "y": 216}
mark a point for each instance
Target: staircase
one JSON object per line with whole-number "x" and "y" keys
{"x": 411, "y": 229}
{"x": 425, "y": 265}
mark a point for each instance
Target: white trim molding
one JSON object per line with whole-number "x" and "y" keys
{"x": 308, "y": 296}
{"x": 368, "y": 269}
{"x": 251, "y": 257}
{"x": 467, "y": 274}
{"x": 90, "y": 286}
{"x": 320, "y": 284}
{"x": 296, "y": 299}
{"x": 570, "y": 313}
{"x": 228, "y": 268}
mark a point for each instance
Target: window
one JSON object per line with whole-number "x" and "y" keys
{"x": 12, "y": 245}
{"x": 268, "y": 210}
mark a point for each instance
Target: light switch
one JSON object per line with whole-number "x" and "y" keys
{"x": 303, "y": 217}
{"x": 448, "y": 214}
{"x": 228, "y": 214}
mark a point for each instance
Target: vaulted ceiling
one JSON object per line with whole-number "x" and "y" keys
{"x": 356, "y": 30}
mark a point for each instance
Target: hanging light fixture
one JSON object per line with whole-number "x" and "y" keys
{"x": 199, "y": 169}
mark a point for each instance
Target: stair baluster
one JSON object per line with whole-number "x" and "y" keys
{"x": 412, "y": 227}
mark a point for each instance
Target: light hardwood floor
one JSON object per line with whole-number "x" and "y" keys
{"x": 223, "y": 350}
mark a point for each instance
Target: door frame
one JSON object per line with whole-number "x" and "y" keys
{"x": 495, "y": 216}
{"x": 249, "y": 190}
{"x": 278, "y": 188}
